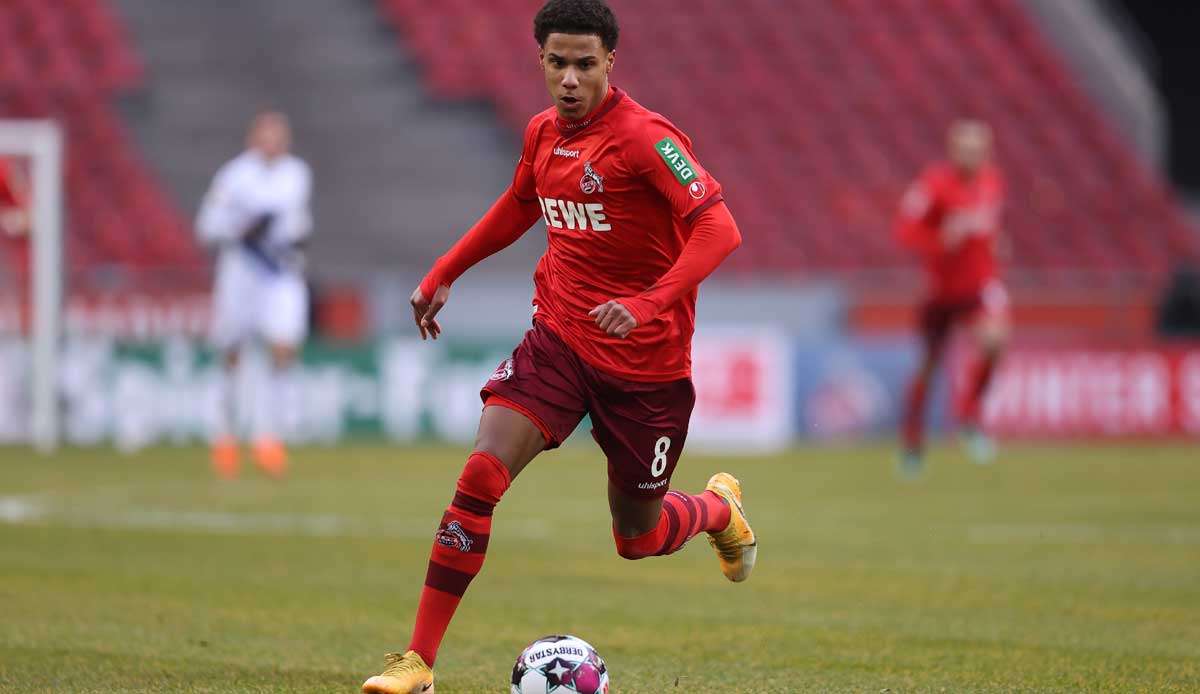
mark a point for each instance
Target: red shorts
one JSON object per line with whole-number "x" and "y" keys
{"x": 641, "y": 427}
{"x": 939, "y": 315}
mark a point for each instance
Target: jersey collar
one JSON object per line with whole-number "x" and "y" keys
{"x": 568, "y": 128}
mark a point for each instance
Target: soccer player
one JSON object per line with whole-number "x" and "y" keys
{"x": 634, "y": 223}
{"x": 950, "y": 217}
{"x": 256, "y": 213}
{"x": 14, "y": 220}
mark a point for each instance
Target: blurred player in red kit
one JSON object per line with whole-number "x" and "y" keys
{"x": 15, "y": 222}
{"x": 950, "y": 217}
{"x": 634, "y": 224}
{"x": 14, "y": 218}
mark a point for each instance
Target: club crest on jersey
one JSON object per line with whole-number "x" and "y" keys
{"x": 591, "y": 182}
{"x": 454, "y": 536}
{"x": 505, "y": 371}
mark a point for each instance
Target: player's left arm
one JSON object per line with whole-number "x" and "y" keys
{"x": 664, "y": 158}
{"x": 714, "y": 236}
{"x": 294, "y": 221}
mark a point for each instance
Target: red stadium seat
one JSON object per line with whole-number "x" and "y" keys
{"x": 65, "y": 60}
{"x": 815, "y": 115}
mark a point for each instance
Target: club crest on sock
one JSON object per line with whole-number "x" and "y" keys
{"x": 453, "y": 535}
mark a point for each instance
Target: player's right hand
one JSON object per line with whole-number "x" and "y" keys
{"x": 425, "y": 310}
{"x": 14, "y": 221}
{"x": 257, "y": 230}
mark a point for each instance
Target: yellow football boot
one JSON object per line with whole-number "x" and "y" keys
{"x": 404, "y": 674}
{"x": 736, "y": 545}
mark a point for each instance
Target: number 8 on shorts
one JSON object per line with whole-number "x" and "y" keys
{"x": 661, "y": 446}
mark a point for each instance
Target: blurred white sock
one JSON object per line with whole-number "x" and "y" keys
{"x": 280, "y": 401}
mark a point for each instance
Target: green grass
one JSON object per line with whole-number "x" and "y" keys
{"x": 1058, "y": 569}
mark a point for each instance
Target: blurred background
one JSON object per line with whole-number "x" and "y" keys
{"x": 815, "y": 116}
{"x": 1073, "y": 563}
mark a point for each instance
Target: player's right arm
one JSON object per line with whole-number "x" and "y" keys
{"x": 914, "y": 226}
{"x": 219, "y": 219}
{"x": 508, "y": 219}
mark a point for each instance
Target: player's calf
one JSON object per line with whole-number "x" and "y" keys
{"x": 683, "y": 516}
{"x": 459, "y": 547}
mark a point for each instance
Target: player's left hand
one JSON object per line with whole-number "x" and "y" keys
{"x": 614, "y": 319}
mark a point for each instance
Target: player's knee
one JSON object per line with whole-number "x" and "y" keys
{"x": 484, "y": 478}
{"x": 926, "y": 369}
{"x": 638, "y": 547}
{"x": 282, "y": 356}
{"x": 993, "y": 341}
{"x": 628, "y": 549}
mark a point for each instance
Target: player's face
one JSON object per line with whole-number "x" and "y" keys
{"x": 576, "y": 67}
{"x": 271, "y": 135}
{"x": 970, "y": 146}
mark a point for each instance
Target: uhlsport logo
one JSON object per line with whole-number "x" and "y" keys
{"x": 676, "y": 161}
{"x": 454, "y": 536}
{"x": 503, "y": 373}
{"x": 568, "y": 153}
{"x": 697, "y": 190}
{"x": 591, "y": 182}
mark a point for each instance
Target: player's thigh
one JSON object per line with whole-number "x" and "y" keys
{"x": 632, "y": 515}
{"x": 283, "y": 312}
{"x": 509, "y": 435}
{"x": 541, "y": 383}
{"x": 642, "y": 428}
{"x": 233, "y": 316}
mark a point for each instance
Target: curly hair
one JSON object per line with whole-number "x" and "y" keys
{"x": 577, "y": 17}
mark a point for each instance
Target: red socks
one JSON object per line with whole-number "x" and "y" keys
{"x": 980, "y": 379}
{"x": 683, "y": 517}
{"x": 460, "y": 543}
{"x": 459, "y": 547}
{"x": 914, "y": 414}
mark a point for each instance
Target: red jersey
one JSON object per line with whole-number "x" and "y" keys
{"x": 953, "y": 222}
{"x": 630, "y": 216}
{"x": 617, "y": 191}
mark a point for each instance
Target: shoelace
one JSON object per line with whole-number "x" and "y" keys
{"x": 397, "y": 664}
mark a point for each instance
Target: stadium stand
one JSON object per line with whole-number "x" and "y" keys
{"x": 815, "y": 115}
{"x": 69, "y": 59}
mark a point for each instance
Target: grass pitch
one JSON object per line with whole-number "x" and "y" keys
{"x": 1057, "y": 569}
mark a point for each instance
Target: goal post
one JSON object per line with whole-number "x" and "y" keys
{"x": 41, "y": 141}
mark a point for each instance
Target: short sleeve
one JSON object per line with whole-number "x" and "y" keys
{"x": 663, "y": 156}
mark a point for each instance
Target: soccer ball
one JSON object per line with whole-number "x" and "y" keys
{"x": 559, "y": 665}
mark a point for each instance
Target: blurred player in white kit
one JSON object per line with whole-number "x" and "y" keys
{"x": 256, "y": 215}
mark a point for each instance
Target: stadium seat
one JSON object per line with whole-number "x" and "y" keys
{"x": 68, "y": 59}
{"x": 816, "y": 115}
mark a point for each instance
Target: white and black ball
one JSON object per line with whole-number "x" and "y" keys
{"x": 560, "y": 665}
